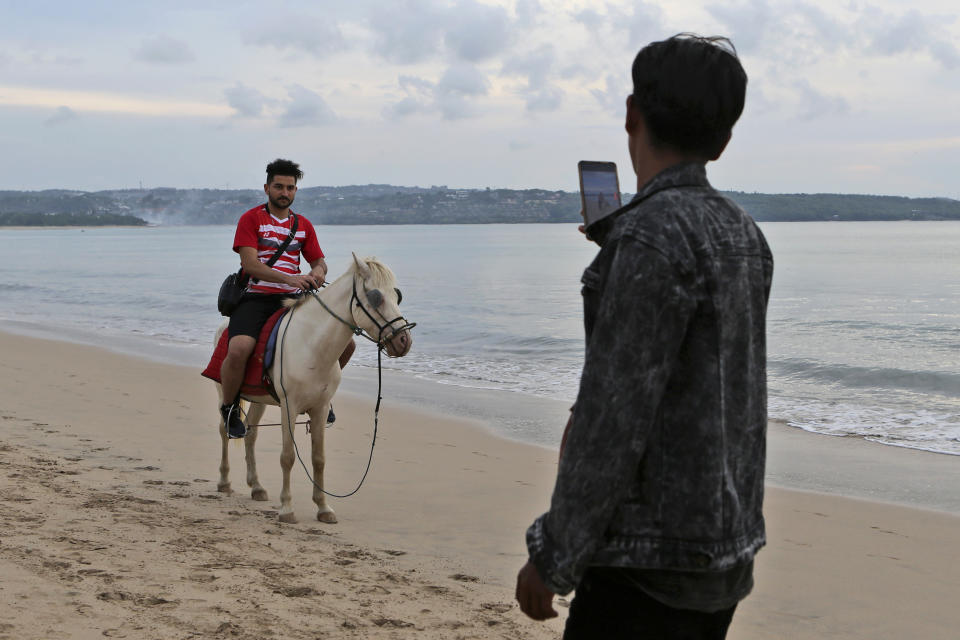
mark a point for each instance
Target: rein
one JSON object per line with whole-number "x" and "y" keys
{"x": 358, "y": 331}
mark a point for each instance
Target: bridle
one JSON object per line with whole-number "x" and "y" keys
{"x": 375, "y": 299}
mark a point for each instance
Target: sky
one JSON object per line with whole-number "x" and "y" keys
{"x": 843, "y": 96}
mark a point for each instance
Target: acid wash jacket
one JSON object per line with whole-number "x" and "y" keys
{"x": 664, "y": 463}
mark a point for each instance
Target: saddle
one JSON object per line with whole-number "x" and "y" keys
{"x": 256, "y": 379}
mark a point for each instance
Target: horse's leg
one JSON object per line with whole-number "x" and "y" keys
{"x": 223, "y": 485}
{"x": 257, "y": 492}
{"x": 288, "y": 416}
{"x": 318, "y": 421}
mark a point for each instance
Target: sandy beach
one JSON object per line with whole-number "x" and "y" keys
{"x": 111, "y": 524}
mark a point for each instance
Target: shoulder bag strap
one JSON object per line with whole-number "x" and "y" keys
{"x": 284, "y": 245}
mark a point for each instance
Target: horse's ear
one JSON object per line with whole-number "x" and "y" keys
{"x": 362, "y": 267}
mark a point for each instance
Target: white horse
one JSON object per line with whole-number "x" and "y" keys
{"x": 306, "y": 371}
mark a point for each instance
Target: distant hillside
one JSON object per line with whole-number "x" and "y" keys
{"x": 802, "y": 207}
{"x": 386, "y": 204}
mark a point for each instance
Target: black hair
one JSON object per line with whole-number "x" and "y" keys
{"x": 281, "y": 167}
{"x": 690, "y": 91}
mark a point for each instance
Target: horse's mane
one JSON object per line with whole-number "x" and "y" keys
{"x": 382, "y": 276}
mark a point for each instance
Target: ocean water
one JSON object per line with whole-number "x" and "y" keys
{"x": 863, "y": 329}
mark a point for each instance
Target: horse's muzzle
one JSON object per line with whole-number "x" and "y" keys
{"x": 399, "y": 343}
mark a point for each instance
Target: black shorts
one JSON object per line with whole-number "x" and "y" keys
{"x": 253, "y": 312}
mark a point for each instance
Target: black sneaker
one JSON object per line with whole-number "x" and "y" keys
{"x": 232, "y": 418}
{"x": 331, "y": 417}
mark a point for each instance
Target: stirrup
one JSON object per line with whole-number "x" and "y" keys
{"x": 236, "y": 428}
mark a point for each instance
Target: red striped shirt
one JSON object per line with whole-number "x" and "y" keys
{"x": 265, "y": 232}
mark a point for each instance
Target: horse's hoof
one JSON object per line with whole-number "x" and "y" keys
{"x": 259, "y": 494}
{"x": 224, "y": 488}
{"x": 289, "y": 518}
{"x": 327, "y": 516}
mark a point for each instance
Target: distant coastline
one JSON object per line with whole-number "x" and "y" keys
{"x": 388, "y": 204}
{"x": 61, "y": 220}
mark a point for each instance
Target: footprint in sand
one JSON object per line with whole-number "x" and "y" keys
{"x": 316, "y": 532}
{"x": 203, "y": 578}
{"x": 462, "y": 577}
{"x": 436, "y": 589}
{"x": 498, "y": 607}
{"x": 378, "y": 589}
{"x": 391, "y": 622}
{"x": 139, "y": 599}
{"x": 298, "y": 592}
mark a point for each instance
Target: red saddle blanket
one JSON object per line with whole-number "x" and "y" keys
{"x": 256, "y": 381}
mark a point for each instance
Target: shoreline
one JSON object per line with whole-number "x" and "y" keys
{"x": 112, "y": 521}
{"x": 527, "y": 419}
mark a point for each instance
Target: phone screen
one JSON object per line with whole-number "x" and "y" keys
{"x": 599, "y": 189}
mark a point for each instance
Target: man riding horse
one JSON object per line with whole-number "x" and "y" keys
{"x": 261, "y": 232}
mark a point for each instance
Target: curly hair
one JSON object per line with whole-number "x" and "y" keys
{"x": 281, "y": 167}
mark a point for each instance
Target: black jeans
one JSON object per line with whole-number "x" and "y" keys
{"x": 603, "y": 609}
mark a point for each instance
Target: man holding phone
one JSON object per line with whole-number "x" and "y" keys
{"x": 656, "y": 513}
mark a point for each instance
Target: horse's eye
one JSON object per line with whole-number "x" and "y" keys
{"x": 374, "y": 297}
{"x": 399, "y": 295}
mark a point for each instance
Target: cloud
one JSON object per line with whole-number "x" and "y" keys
{"x": 815, "y": 104}
{"x": 914, "y": 32}
{"x": 103, "y": 102}
{"x": 407, "y": 31}
{"x": 747, "y": 23}
{"x": 635, "y": 28}
{"x": 411, "y": 31}
{"x": 828, "y": 32}
{"x": 592, "y": 19}
{"x": 318, "y": 37}
{"x": 405, "y": 107}
{"x": 945, "y": 53}
{"x": 544, "y": 100}
{"x": 476, "y": 31}
{"x": 419, "y": 98}
{"x": 60, "y": 116}
{"x": 457, "y": 90}
{"x": 613, "y": 96}
{"x": 306, "y": 108}
{"x": 414, "y": 83}
{"x": 463, "y": 79}
{"x": 537, "y": 66}
{"x": 644, "y": 24}
{"x": 246, "y": 101}
{"x": 527, "y": 12}
{"x": 454, "y": 95}
{"x": 164, "y": 50}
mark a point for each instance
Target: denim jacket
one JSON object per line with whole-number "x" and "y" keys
{"x": 664, "y": 462}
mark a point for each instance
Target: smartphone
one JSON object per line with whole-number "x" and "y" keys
{"x": 599, "y": 189}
